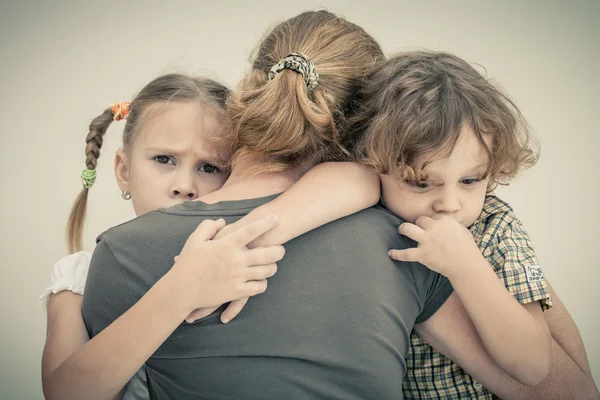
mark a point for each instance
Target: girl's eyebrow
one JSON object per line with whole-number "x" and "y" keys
{"x": 162, "y": 149}
{"x": 204, "y": 155}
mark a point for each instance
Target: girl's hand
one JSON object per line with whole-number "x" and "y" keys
{"x": 209, "y": 272}
{"x": 202, "y": 312}
{"x": 232, "y": 311}
{"x": 445, "y": 246}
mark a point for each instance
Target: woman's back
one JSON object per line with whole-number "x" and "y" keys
{"x": 334, "y": 322}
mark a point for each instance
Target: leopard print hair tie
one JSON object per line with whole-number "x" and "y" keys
{"x": 299, "y": 63}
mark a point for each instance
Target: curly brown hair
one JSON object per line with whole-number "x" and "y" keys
{"x": 415, "y": 105}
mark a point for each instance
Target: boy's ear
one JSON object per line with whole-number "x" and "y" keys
{"x": 122, "y": 170}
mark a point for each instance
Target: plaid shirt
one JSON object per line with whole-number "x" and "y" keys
{"x": 505, "y": 244}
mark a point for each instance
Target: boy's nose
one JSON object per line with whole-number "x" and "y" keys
{"x": 448, "y": 203}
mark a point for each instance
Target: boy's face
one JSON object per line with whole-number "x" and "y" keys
{"x": 455, "y": 186}
{"x": 171, "y": 159}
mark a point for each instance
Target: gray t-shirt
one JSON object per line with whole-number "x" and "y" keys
{"x": 334, "y": 322}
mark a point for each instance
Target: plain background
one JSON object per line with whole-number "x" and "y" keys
{"x": 63, "y": 63}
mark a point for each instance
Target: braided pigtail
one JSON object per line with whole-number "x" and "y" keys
{"x": 94, "y": 140}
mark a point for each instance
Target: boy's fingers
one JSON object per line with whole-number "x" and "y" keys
{"x": 424, "y": 222}
{"x": 208, "y": 228}
{"x": 248, "y": 233}
{"x": 264, "y": 255}
{"x": 410, "y": 255}
{"x": 233, "y": 309}
{"x": 412, "y": 231}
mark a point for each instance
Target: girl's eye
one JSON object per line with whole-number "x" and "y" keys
{"x": 208, "y": 169}
{"x": 470, "y": 181}
{"x": 163, "y": 160}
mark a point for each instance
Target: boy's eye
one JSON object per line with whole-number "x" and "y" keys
{"x": 208, "y": 169}
{"x": 420, "y": 184}
{"x": 163, "y": 160}
{"x": 470, "y": 181}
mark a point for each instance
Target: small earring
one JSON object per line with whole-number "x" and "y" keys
{"x": 125, "y": 195}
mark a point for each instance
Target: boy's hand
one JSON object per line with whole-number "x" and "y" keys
{"x": 445, "y": 246}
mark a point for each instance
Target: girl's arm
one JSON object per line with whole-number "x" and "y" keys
{"x": 100, "y": 368}
{"x": 66, "y": 333}
{"x": 65, "y": 329}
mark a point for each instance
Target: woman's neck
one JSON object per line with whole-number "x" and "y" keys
{"x": 242, "y": 185}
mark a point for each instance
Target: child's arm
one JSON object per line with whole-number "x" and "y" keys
{"x": 327, "y": 192}
{"x": 516, "y": 336}
{"x": 66, "y": 333}
{"x": 448, "y": 333}
{"x": 570, "y": 375}
{"x": 65, "y": 329}
{"x": 565, "y": 333}
{"x": 100, "y": 368}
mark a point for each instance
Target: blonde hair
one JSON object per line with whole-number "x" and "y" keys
{"x": 166, "y": 88}
{"x": 281, "y": 121}
{"x": 416, "y": 103}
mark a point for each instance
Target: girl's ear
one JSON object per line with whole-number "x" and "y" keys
{"x": 122, "y": 170}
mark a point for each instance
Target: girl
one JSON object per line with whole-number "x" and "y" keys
{"x": 441, "y": 137}
{"x": 172, "y": 152}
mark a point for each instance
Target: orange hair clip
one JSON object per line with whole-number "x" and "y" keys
{"x": 120, "y": 110}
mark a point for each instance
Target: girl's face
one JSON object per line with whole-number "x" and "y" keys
{"x": 172, "y": 157}
{"x": 455, "y": 186}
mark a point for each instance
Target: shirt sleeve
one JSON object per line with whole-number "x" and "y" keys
{"x": 106, "y": 295}
{"x": 516, "y": 265}
{"x": 69, "y": 273}
{"x": 438, "y": 291}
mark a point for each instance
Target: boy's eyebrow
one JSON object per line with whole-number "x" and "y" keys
{"x": 478, "y": 167}
{"x": 475, "y": 169}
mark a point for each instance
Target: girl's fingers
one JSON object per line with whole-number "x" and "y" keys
{"x": 233, "y": 309}
{"x": 208, "y": 229}
{"x": 264, "y": 255}
{"x": 252, "y": 288}
{"x": 409, "y": 255}
{"x": 200, "y": 313}
{"x": 248, "y": 233}
{"x": 260, "y": 272}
